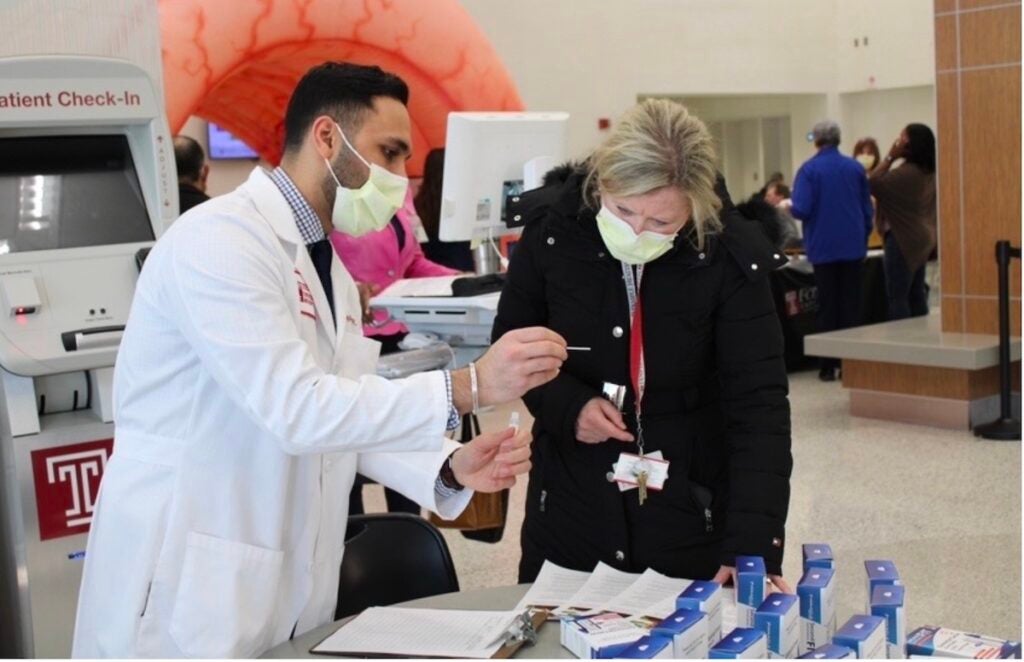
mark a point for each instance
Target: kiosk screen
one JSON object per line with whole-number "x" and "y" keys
{"x": 69, "y": 192}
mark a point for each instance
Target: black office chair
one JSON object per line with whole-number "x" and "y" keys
{"x": 391, "y": 558}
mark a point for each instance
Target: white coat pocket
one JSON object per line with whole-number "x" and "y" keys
{"x": 357, "y": 355}
{"x": 227, "y": 598}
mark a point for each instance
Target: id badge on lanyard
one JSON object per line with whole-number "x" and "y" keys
{"x": 641, "y": 471}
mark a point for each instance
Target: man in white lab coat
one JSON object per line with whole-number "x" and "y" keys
{"x": 245, "y": 400}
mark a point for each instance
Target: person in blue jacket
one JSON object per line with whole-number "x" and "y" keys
{"x": 831, "y": 197}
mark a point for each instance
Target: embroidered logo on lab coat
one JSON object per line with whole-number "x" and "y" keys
{"x": 306, "y": 305}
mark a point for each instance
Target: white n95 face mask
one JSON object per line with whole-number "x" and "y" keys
{"x": 628, "y": 246}
{"x": 370, "y": 207}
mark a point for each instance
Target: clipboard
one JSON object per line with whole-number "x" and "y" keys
{"x": 522, "y": 632}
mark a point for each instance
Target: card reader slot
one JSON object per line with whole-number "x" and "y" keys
{"x": 100, "y": 336}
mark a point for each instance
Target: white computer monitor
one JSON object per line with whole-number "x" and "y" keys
{"x": 489, "y": 156}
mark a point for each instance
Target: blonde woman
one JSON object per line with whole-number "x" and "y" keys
{"x": 702, "y": 342}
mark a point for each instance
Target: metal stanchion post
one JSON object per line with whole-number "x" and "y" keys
{"x": 1004, "y": 428}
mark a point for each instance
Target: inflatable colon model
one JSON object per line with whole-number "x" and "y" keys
{"x": 236, "y": 63}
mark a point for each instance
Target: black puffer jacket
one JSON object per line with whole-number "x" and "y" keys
{"x": 716, "y": 401}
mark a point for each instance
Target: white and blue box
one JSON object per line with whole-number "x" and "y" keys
{"x": 829, "y": 652}
{"x": 687, "y": 629}
{"x": 600, "y": 636}
{"x": 649, "y": 647}
{"x": 817, "y": 592}
{"x": 818, "y": 555}
{"x": 741, "y": 644}
{"x": 779, "y": 617}
{"x": 864, "y": 635}
{"x": 889, "y": 602}
{"x": 705, "y": 596}
{"x": 751, "y": 578}
{"x": 931, "y": 641}
{"x": 881, "y": 573}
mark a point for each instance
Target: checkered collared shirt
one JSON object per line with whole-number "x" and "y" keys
{"x": 312, "y": 231}
{"x": 310, "y": 227}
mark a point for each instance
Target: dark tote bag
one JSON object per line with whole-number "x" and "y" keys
{"x": 483, "y": 519}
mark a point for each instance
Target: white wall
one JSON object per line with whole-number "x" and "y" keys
{"x": 800, "y": 110}
{"x": 745, "y": 171}
{"x": 778, "y": 151}
{"x": 594, "y": 58}
{"x": 881, "y": 114}
{"x": 900, "y": 47}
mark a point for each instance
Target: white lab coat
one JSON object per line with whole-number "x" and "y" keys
{"x": 241, "y": 419}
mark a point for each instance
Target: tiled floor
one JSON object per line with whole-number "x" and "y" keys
{"x": 944, "y": 506}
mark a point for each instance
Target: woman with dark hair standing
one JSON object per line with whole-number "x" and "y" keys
{"x": 452, "y": 254}
{"x": 906, "y": 218}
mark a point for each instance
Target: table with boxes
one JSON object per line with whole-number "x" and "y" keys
{"x": 707, "y": 623}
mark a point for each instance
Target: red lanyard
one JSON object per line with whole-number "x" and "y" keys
{"x": 637, "y": 369}
{"x": 636, "y": 354}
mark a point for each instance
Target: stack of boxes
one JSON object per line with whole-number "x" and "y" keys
{"x": 817, "y": 593}
{"x": 687, "y": 629}
{"x": 881, "y": 573}
{"x": 600, "y": 636}
{"x": 817, "y": 608}
{"x": 741, "y": 644}
{"x": 650, "y": 647}
{"x": 818, "y": 555}
{"x": 778, "y": 625}
{"x": 864, "y": 635}
{"x": 751, "y": 578}
{"x": 931, "y": 641}
{"x": 778, "y": 617}
{"x": 705, "y": 597}
{"x": 886, "y": 597}
{"x": 829, "y": 652}
{"x": 888, "y": 602}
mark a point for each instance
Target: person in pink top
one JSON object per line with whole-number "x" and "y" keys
{"x": 375, "y": 261}
{"x": 378, "y": 259}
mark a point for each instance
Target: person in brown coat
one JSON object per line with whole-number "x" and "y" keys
{"x": 906, "y": 218}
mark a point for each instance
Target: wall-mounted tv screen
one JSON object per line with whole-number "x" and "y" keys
{"x": 223, "y": 145}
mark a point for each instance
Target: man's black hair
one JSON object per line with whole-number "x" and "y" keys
{"x": 921, "y": 146}
{"x": 189, "y": 158}
{"x": 339, "y": 89}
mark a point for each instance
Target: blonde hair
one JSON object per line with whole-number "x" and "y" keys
{"x": 659, "y": 143}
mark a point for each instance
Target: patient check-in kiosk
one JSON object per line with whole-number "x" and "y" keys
{"x": 87, "y": 179}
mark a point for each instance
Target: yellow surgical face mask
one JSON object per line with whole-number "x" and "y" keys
{"x": 626, "y": 245}
{"x": 370, "y": 207}
{"x": 865, "y": 160}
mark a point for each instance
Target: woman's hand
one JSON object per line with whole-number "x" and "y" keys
{"x": 898, "y": 149}
{"x": 519, "y": 361}
{"x": 727, "y": 573}
{"x": 600, "y": 421}
{"x": 366, "y": 292}
{"x": 491, "y": 462}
